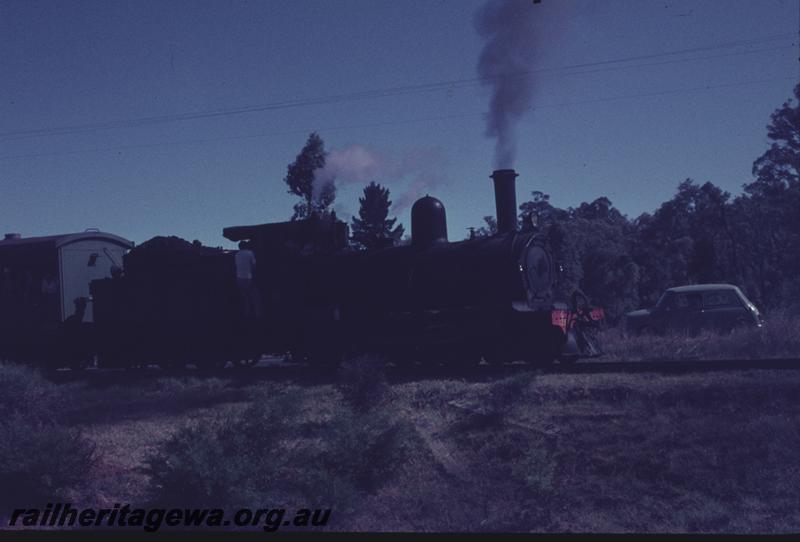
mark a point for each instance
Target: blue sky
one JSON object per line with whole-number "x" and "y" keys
{"x": 630, "y": 130}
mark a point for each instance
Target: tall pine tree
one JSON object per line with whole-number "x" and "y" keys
{"x": 372, "y": 229}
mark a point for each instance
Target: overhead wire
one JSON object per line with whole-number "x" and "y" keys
{"x": 391, "y": 123}
{"x": 391, "y": 91}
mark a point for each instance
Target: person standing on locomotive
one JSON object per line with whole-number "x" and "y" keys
{"x": 245, "y": 271}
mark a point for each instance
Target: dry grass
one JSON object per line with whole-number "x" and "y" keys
{"x": 122, "y": 446}
{"x": 40, "y": 457}
{"x": 601, "y": 453}
{"x": 704, "y": 453}
{"x": 713, "y": 452}
{"x": 778, "y": 338}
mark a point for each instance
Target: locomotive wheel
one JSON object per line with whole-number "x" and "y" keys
{"x": 212, "y": 364}
{"x": 567, "y": 360}
{"x": 79, "y": 365}
{"x": 247, "y": 362}
{"x": 290, "y": 357}
{"x": 542, "y": 356}
{"x": 323, "y": 359}
{"x": 76, "y": 360}
{"x": 460, "y": 358}
{"x": 496, "y": 356}
{"x": 171, "y": 365}
{"x": 541, "y": 361}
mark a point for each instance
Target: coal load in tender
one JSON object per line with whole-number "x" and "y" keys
{"x": 176, "y": 300}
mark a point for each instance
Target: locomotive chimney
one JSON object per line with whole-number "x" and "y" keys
{"x": 505, "y": 197}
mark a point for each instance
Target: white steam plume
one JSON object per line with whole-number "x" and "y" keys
{"x": 407, "y": 176}
{"x": 351, "y": 164}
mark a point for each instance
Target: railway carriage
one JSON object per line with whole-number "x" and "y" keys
{"x": 41, "y": 278}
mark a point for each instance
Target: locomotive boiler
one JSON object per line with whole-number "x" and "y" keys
{"x": 488, "y": 298}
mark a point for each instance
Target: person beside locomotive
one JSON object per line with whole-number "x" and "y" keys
{"x": 245, "y": 261}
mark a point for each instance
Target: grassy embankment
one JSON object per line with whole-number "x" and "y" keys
{"x": 712, "y": 452}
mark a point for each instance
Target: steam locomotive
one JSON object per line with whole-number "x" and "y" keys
{"x": 431, "y": 301}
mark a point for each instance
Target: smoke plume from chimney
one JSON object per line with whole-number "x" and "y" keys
{"x": 505, "y": 66}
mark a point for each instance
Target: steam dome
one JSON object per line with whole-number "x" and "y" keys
{"x": 428, "y": 222}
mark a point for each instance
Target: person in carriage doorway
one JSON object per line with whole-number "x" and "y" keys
{"x": 49, "y": 297}
{"x": 74, "y": 345}
{"x": 245, "y": 273}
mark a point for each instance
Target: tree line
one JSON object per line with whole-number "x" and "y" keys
{"x": 702, "y": 234}
{"x": 371, "y": 229}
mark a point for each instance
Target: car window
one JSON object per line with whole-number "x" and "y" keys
{"x": 720, "y": 298}
{"x": 684, "y": 301}
{"x": 679, "y": 301}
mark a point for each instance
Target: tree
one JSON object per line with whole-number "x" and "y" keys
{"x": 592, "y": 246}
{"x": 489, "y": 229}
{"x": 689, "y": 239}
{"x": 541, "y": 207}
{"x": 599, "y": 209}
{"x": 372, "y": 229}
{"x": 769, "y": 210}
{"x": 779, "y": 168}
{"x": 316, "y": 197}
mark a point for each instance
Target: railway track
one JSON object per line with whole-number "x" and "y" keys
{"x": 676, "y": 366}
{"x": 272, "y": 368}
{"x": 607, "y": 367}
